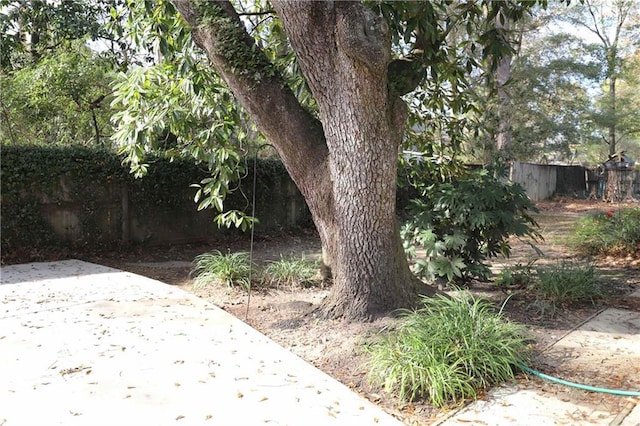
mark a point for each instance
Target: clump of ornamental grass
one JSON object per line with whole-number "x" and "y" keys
{"x": 291, "y": 271}
{"x": 568, "y": 282}
{"x": 449, "y": 350}
{"x": 215, "y": 268}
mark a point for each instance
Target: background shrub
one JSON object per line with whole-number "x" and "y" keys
{"x": 614, "y": 233}
{"x": 463, "y": 218}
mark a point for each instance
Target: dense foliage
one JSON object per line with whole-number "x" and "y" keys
{"x": 453, "y": 105}
{"x": 62, "y": 99}
{"x": 56, "y": 65}
{"x": 461, "y": 218}
{"x": 30, "y": 30}
{"x": 574, "y": 83}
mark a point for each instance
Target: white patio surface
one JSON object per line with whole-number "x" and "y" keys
{"x": 83, "y": 344}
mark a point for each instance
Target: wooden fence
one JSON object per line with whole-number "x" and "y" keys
{"x": 543, "y": 181}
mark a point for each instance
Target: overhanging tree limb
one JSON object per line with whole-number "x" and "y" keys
{"x": 217, "y": 29}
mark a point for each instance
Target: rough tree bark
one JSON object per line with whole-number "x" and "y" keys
{"x": 344, "y": 164}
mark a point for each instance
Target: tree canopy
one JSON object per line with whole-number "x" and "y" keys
{"x": 566, "y": 98}
{"x": 55, "y": 88}
{"x": 441, "y": 52}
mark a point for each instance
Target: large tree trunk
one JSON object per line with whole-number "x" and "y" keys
{"x": 344, "y": 51}
{"x": 344, "y": 166}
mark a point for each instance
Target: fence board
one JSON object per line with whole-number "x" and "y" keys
{"x": 538, "y": 180}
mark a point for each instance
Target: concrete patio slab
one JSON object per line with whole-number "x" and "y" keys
{"x": 83, "y": 344}
{"x": 513, "y": 406}
{"x": 606, "y": 350}
{"x": 630, "y": 419}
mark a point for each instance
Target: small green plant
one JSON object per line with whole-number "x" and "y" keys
{"x": 448, "y": 350}
{"x": 544, "y": 308}
{"x": 230, "y": 269}
{"x": 518, "y": 276}
{"x": 291, "y": 271}
{"x": 613, "y": 232}
{"x": 568, "y": 282}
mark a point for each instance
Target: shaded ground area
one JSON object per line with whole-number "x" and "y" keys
{"x": 336, "y": 346}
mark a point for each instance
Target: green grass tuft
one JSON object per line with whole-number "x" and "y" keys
{"x": 447, "y": 351}
{"x": 568, "y": 282}
{"x": 215, "y": 268}
{"x": 291, "y": 271}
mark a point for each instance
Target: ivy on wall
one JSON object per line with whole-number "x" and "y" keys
{"x": 35, "y": 176}
{"x": 35, "y": 180}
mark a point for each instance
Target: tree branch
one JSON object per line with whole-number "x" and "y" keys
{"x": 266, "y": 12}
{"x": 362, "y": 34}
{"x": 595, "y": 29}
{"x": 406, "y": 73}
{"x": 298, "y": 136}
{"x": 4, "y": 115}
{"x": 622, "y": 17}
{"x": 96, "y": 128}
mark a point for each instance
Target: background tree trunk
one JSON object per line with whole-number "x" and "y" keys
{"x": 503, "y": 74}
{"x": 612, "y": 112}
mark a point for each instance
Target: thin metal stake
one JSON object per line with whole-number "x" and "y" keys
{"x": 253, "y": 225}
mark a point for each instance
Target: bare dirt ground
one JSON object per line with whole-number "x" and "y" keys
{"x": 336, "y": 347}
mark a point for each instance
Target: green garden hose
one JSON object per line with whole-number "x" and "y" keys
{"x": 578, "y": 385}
